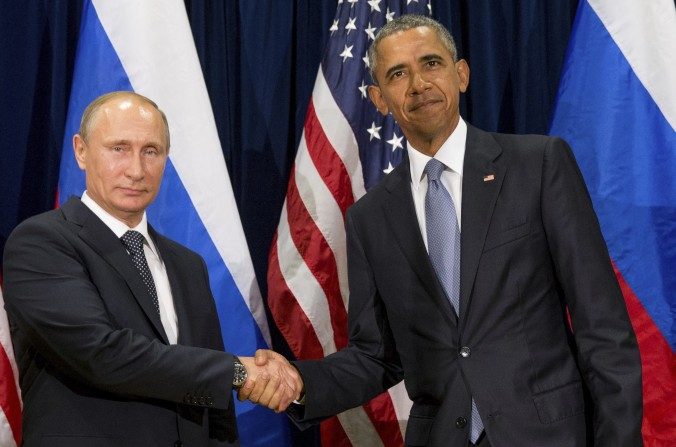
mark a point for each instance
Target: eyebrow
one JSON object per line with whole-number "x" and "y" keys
{"x": 117, "y": 143}
{"x": 129, "y": 143}
{"x": 394, "y": 69}
{"x": 430, "y": 57}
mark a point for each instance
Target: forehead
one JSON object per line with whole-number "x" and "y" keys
{"x": 128, "y": 107}
{"x": 127, "y": 112}
{"x": 414, "y": 42}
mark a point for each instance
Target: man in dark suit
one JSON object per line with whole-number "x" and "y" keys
{"x": 464, "y": 264}
{"x": 114, "y": 326}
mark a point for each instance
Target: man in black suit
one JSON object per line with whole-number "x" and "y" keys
{"x": 464, "y": 264}
{"x": 114, "y": 326}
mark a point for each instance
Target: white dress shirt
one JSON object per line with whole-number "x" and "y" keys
{"x": 157, "y": 268}
{"x": 452, "y": 155}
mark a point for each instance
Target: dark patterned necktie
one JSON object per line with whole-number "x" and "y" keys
{"x": 133, "y": 241}
{"x": 443, "y": 246}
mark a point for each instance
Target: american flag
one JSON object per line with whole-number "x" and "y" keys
{"x": 10, "y": 396}
{"x": 347, "y": 146}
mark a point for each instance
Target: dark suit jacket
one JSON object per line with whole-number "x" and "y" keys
{"x": 95, "y": 365}
{"x": 531, "y": 245}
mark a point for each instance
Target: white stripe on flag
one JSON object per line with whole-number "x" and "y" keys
{"x": 359, "y": 428}
{"x": 645, "y": 32}
{"x": 339, "y": 133}
{"x": 6, "y": 437}
{"x": 325, "y": 212}
{"x": 402, "y": 403}
{"x": 303, "y": 285}
{"x": 162, "y": 41}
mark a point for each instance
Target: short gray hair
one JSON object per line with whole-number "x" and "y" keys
{"x": 90, "y": 112}
{"x": 405, "y": 23}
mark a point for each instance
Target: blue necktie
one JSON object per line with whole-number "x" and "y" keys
{"x": 443, "y": 246}
{"x": 133, "y": 241}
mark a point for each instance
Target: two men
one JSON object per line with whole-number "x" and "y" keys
{"x": 114, "y": 326}
{"x": 478, "y": 275}
{"x": 464, "y": 265}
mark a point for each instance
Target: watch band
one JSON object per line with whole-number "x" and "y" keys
{"x": 239, "y": 376}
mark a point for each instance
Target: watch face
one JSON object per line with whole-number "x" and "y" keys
{"x": 239, "y": 376}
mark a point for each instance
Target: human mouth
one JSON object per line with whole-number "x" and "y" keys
{"x": 423, "y": 104}
{"x": 132, "y": 191}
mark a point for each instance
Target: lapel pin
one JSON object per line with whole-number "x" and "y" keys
{"x": 489, "y": 177}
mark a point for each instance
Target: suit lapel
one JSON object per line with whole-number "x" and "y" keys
{"x": 400, "y": 212}
{"x": 103, "y": 241}
{"x": 479, "y": 195}
{"x": 178, "y": 291}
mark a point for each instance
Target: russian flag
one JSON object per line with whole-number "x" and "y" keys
{"x": 617, "y": 108}
{"x": 148, "y": 47}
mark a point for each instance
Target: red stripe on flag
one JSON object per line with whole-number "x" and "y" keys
{"x": 288, "y": 315}
{"x": 319, "y": 258}
{"x": 659, "y": 373}
{"x": 9, "y": 397}
{"x": 332, "y": 433}
{"x": 326, "y": 160}
{"x": 381, "y": 412}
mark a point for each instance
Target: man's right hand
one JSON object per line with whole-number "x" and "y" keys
{"x": 272, "y": 381}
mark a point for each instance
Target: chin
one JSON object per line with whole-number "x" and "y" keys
{"x": 133, "y": 207}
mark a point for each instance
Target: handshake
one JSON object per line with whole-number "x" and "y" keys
{"x": 271, "y": 381}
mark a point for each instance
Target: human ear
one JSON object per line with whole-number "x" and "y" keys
{"x": 80, "y": 151}
{"x": 462, "y": 69}
{"x": 377, "y": 99}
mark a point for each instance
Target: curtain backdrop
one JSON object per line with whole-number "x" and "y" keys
{"x": 260, "y": 60}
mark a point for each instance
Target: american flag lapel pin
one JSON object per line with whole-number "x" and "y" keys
{"x": 489, "y": 177}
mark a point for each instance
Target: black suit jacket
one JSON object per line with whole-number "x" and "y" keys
{"x": 95, "y": 364}
{"x": 531, "y": 246}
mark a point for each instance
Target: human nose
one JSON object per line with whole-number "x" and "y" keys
{"x": 418, "y": 84}
{"x": 135, "y": 166}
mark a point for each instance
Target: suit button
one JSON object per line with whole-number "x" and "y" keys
{"x": 464, "y": 352}
{"x": 461, "y": 422}
{"x": 178, "y": 444}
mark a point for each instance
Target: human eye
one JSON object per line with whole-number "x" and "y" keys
{"x": 397, "y": 74}
{"x": 151, "y": 151}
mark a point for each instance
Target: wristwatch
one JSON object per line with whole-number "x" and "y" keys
{"x": 240, "y": 375}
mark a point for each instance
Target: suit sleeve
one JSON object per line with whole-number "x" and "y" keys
{"x": 607, "y": 348}
{"x": 60, "y": 314}
{"x": 369, "y": 365}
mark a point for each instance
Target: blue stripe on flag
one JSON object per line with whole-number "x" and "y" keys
{"x": 625, "y": 149}
{"x": 94, "y": 56}
{"x": 98, "y": 70}
{"x": 173, "y": 214}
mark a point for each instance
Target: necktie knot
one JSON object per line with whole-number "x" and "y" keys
{"x": 133, "y": 241}
{"x": 433, "y": 169}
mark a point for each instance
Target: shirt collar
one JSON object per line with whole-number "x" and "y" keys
{"x": 117, "y": 226}
{"x": 451, "y": 154}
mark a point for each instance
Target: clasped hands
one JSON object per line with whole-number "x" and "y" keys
{"x": 271, "y": 381}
